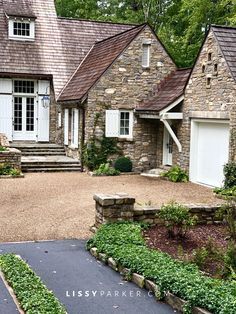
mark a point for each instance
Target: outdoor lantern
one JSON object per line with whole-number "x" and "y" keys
{"x": 46, "y": 101}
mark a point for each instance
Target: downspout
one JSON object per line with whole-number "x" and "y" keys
{"x": 172, "y": 134}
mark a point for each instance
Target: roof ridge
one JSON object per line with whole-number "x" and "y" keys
{"x": 119, "y": 34}
{"x": 94, "y": 21}
{"x": 223, "y": 26}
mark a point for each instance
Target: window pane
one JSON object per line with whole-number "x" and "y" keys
{"x": 21, "y": 28}
{"x": 124, "y": 123}
{"x": 25, "y": 87}
{"x": 18, "y": 114}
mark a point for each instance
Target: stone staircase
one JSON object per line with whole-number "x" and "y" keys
{"x": 42, "y": 157}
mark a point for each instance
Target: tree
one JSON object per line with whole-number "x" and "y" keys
{"x": 180, "y": 24}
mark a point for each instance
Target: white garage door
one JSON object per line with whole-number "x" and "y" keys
{"x": 209, "y": 152}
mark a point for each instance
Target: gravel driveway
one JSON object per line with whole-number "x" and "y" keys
{"x": 60, "y": 205}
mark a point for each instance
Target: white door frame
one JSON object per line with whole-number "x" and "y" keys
{"x": 193, "y": 145}
{"x": 167, "y": 150}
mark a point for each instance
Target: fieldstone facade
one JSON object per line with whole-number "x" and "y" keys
{"x": 123, "y": 86}
{"x": 210, "y": 94}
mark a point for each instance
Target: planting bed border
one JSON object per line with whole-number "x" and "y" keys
{"x": 169, "y": 298}
{"x": 12, "y": 177}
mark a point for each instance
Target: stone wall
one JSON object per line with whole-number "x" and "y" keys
{"x": 123, "y": 86}
{"x": 121, "y": 207}
{"x": 208, "y": 101}
{"x": 11, "y": 157}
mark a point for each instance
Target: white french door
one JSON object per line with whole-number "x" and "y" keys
{"x": 24, "y": 118}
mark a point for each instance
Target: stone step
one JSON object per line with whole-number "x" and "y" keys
{"x": 153, "y": 173}
{"x": 59, "y": 169}
{"x": 44, "y": 153}
{"x": 35, "y": 145}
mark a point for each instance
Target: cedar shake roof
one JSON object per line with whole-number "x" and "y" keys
{"x": 59, "y": 46}
{"x": 226, "y": 38}
{"x": 18, "y": 8}
{"x": 166, "y": 92}
{"x": 100, "y": 57}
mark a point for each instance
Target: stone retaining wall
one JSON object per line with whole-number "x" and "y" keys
{"x": 11, "y": 157}
{"x": 121, "y": 207}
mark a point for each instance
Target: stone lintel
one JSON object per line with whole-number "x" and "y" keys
{"x": 209, "y": 115}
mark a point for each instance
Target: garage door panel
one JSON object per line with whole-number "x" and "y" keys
{"x": 211, "y": 152}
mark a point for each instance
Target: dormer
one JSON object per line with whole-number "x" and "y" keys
{"x": 21, "y": 21}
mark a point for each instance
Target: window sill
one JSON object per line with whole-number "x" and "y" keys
{"x": 125, "y": 139}
{"x": 73, "y": 147}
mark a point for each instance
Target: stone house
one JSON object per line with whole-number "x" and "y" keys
{"x": 62, "y": 80}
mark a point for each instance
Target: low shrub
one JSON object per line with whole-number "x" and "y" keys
{"x": 225, "y": 193}
{"x": 124, "y": 242}
{"x": 230, "y": 261}
{"x": 6, "y": 169}
{"x": 32, "y": 294}
{"x": 177, "y": 219}
{"x": 176, "y": 174}
{"x": 123, "y": 164}
{"x": 227, "y": 212}
{"x": 3, "y": 149}
{"x": 230, "y": 175}
{"x": 106, "y": 169}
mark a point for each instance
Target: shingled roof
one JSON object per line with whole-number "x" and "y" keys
{"x": 19, "y": 8}
{"x": 226, "y": 38}
{"x": 167, "y": 91}
{"x": 59, "y": 47}
{"x": 101, "y": 56}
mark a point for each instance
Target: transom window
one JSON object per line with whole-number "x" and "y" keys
{"x": 24, "y": 87}
{"x": 21, "y": 29}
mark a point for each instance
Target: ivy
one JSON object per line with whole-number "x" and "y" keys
{"x": 97, "y": 150}
{"x": 31, "y": 293}
{"x": 124, "y": 242}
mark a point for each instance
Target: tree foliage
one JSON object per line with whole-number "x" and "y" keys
{"x": 180, "y": 24}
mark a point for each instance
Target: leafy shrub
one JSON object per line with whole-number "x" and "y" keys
{"x": 124, "y": 242}
{"x": 2, "y": 148}
{"x": 31, "y": 293}
{"x": 227, "y": 212}
{"x": 6, "y": 169}
{"x": 106, "y": 169}
{"x": 230, "y": 175}
{"x": 177, "y": 219}
{"x": 97, "y": 151}
{"x": 200, "y": 256}
{"x": 176, "y": 174}
{"x": 230, "y": 261}
{"x": 123, "y": 164}
{"x": 230, "y": 192}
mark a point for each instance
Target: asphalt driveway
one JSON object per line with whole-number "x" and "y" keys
{"x": 46, "y": 206}
{"x": 80, "y": 282}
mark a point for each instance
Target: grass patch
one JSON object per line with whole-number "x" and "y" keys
{"x": 32, "y": 294}
{"x": 124, "y": 242}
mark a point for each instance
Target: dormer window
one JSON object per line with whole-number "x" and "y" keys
{"x": 21, "y": 29}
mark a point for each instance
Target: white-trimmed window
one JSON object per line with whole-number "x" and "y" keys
{"x": 119, "y": 123}
{"x": 21, "y": 29}
{"x": 146, "y": 55}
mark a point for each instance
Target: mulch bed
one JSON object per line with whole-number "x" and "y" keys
{"x": 198, "y": 237}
